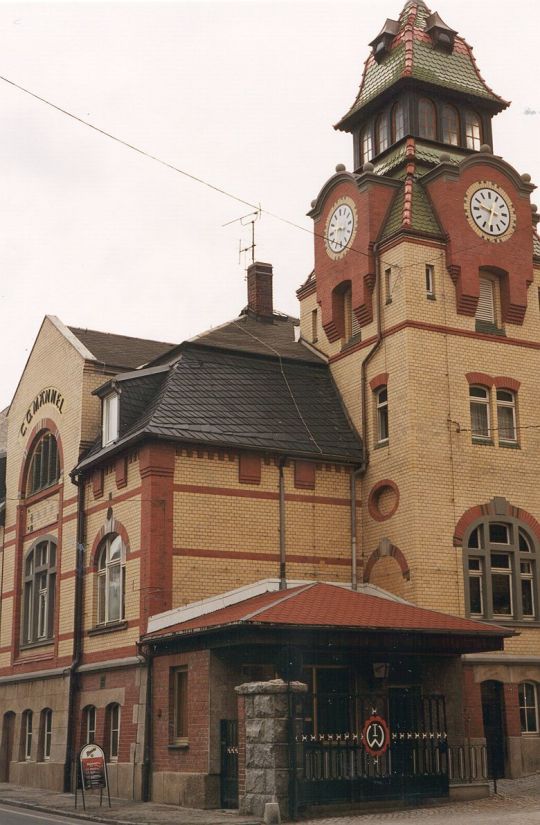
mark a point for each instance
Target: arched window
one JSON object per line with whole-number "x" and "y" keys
{"x": 44, "y": 467}
{"x": 45, "y": 735}
{"x": 501, "y": 571}
{"x": 398, "y": 122}
{"x": 39, "y": 592}
{"x": 382, "y": 133}
{"x": 366, "y": 145}
{"x": 89, "y": 725}
{"x": 427, "y": 119}
{"x": 473, "y": 131}
{"x": 450, "y": 125}
{"x": 113, "y": 732}
{"x": 26, "y": 735}
{"x": 528, "y": 707}
{"x": 110, "y": 580}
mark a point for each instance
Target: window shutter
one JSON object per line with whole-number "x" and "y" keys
{"x": 486, "y": 310}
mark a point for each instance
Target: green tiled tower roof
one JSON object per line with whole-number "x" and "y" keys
{"x": 411, "y": 53}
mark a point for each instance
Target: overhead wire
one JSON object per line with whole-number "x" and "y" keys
{"x": 220, "y": 190}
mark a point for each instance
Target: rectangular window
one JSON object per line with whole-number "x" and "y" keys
{"x": 430, "y": 281}
{"x": 528, "y": 707}
{"x": 527, "y": 591}
{"x": 501, "y": 584}
{"x": 476, "y": 601}
{"x": 111, "y": 409}
{"x": 90, "y": 725}
{"x": 382, "y": 414}
{"x": 506, "y": 415}
{"x": 179, "y": 722}
{"x": 27, "y": 735}
{"x": 388, "y": 285}
{"x": 485, "y": 310}
{"x": 114, "y": 732}
{"x": 479, "y": 404}
{"x": 314, "y": 336}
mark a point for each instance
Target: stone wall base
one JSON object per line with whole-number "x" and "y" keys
{"x": 190, "y": 790}
{"x": 49, "y": 775}
{"x": 469, "y": 790}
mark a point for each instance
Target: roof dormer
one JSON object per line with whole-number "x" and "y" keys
{"x": 442, "y": 36}
{"x": 382, "y": 43}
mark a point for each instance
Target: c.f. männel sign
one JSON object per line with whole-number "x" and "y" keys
{"x": 49, "y": 395}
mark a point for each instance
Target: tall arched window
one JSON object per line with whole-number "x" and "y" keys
{"x": 382, "y": 133}
{"x": 450, "y": 125}
{"x": 110, "y": 580}
{"x": 501, "y": 571}
{"x": 89, "y": 724}
{"x": 366, "y": 145}
{"x": 427, "y": 119}
{"x": 44, "y": 467}
{"x": 27, "y": 721}
{"x": 398, "y": 122}
{"x": 39, "y": 592}
{"x": 473, "y": 131}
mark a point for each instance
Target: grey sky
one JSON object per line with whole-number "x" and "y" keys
{"x": 243, "y": 94}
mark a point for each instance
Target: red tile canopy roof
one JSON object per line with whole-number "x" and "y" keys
{"x": 318, "y": 605}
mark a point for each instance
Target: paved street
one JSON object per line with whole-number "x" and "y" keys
{"x": 516, "y": 803}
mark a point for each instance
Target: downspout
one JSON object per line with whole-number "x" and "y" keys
{"x": 282, "y": 559}
{"x": 363, "y": 389}
{"x": 77, "y": 630}
{"x": 147, "y": 734}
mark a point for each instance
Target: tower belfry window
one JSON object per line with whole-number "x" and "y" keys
{"x": 366, "y": 144}
{"x": 382, "y": 133}
{"x": 427, "y": 119}
{"x": 398, "y": 122}
{"x": 450, "y": 125}
{"x": 473, "y": 131}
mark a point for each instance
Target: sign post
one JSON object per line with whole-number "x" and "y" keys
{"x": 93, "y": 772}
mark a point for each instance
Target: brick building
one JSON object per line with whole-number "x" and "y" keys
{"x": 348, "y": 499}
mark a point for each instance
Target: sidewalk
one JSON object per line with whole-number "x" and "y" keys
{"x": 511, "y": 794}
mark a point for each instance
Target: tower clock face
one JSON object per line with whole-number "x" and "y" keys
{"x": 340, "y": 228}
{"x": 489, "y": 211}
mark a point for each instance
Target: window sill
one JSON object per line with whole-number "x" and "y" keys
{"x": 351, "y": 342}
{"x": 181, "y": 745}
{"x": 37, "y": 644}
{"x": 510, "y": 445}
{"x": 483, "y": 442}
{"x": 45, "y": 492}
{"x": 431, "y": 297}
{"x": 489, "y": 329}
{"x": 101, "y": 629}
{"x": 506, "y": 622}
{"x": 380, "y": 444}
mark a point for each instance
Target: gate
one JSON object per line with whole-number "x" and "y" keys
{"x": 229, "y": 763}
{"x": 334, "y": 760}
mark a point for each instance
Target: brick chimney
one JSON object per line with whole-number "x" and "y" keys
{"x": 259, "y": 281}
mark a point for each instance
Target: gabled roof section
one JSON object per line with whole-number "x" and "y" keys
{"x": 321, "y": 605}
{"x": 119, "y": 351}
{"x": 221, "y": 398}
{"x": 412, "y": 54}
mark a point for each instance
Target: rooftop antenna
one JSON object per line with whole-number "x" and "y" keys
{"x": 247, "y": 220}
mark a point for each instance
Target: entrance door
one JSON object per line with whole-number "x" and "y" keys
{"x": 493, "y": 714}
{"x": 6, "y": 746}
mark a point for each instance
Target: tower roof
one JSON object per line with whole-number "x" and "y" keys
{"x": 419, "y": 46}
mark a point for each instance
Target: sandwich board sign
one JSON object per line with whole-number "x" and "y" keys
{"x": 93, "y": 771}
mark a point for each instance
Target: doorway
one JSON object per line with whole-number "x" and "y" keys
{"x": 6, "y": 745}
{"x": 493, "y": 716}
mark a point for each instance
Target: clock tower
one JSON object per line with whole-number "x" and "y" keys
{"x": 425, "y": 300}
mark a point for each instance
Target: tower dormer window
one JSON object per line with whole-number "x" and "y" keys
{"x": 427, "y": 119}
{"x": 450, "y": 125}
{"x": 110, "y": 418}
{"x": 473, "y": 131}
{"x": 382, "y": 133}
{"x": 398, "y": 122}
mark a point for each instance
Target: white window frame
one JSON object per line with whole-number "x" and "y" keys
{"x": 484, "y": 402}
{"x": 382, "y": 414}
{"x": 47, "y": 733}
{"x": 506, "y": 404}
{"x": 27, "y": 725}
{"x": 90, "y": 724}
{"x": 39, "y": 590}
{"x": 110, "y": 418}
{"x": 430, "y": 281}
{"x": 108, "y": 561}
{"x": 525, "y": 705}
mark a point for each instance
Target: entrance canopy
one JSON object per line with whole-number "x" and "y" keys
{"x": 356, "y": 616}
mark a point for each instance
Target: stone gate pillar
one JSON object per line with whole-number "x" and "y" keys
{"x": 263, "y": 744}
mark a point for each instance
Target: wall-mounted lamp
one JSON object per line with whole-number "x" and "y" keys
{"x": 381, "y": 670}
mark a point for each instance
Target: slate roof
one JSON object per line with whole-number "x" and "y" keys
{"x": 321, "y": 605}
{"x": 224, "y": 398}
{"x": 120, "y": 351}
{"x": 412, "y": 55}
{"x": 247, "y": 333}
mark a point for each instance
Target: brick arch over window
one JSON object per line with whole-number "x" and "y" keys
{"x": 112, "y": 526}
{"x": 387, "y": 550}
{"x": 43, "y": 426}
{"x": 497, "y": 508}
{"x": 380, "y": 380}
